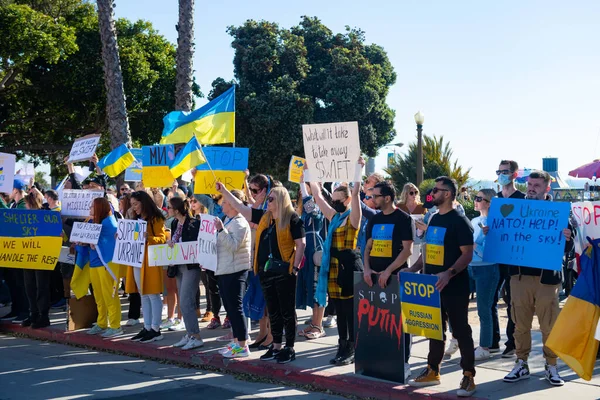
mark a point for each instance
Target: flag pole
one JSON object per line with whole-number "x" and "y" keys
{"x": 208, "y": 163}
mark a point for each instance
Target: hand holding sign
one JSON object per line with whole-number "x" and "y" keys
{"x": 443, "y": 280}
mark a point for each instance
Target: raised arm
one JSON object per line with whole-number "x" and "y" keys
{"x": 356, "y": 212}
{"x": 236, "y": 203}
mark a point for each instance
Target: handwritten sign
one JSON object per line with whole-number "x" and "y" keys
{"x": 85, "y": 233}
{"x": 207, "y": 242}
{"x": 225, "y": 158}
{"x": 84, "y": 148}
{"x": 296, "y": 169}
{"x": 77, "y": 203}
{"x": 205, "y": 181}
{"x": 156, "y": 161}
{"x": 130, "y": 245}
{"x": 421, "y": 305}
{"x": 526, "y": 233}
{"x": 65, "y": 256}
{"x": 30, "y": 239}
{"x": 134, "y": 172}
{"x": 180, "y": 254}
{"x": 7, "y": 172}
{"x": 332, "y": 151}
{"x": 587, "y": 217}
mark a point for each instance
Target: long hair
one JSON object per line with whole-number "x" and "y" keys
{"x": 34, "y": 200}
{"x": 285, "y": 210}
{"x": 101, "y": 209}
{"x": 149, "y": 208}
{"x": 405, "y": 190}
{"x": 181, "y": 206}
{"x": 125, "y": 200}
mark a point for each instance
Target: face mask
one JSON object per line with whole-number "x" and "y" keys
{"x": 504, "y": 179}
{"x": 338, "y": 206}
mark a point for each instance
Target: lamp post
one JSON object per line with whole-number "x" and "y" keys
{"x": 419, "y": 119}
{"x": 370, "y": 167}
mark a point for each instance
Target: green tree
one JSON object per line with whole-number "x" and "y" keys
{"x": 303, "y": 75}
{"x": 40, "y": 177}
{"x": 437, "y": 161}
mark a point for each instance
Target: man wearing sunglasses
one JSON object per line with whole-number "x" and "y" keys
{"x": 448, "y": 252}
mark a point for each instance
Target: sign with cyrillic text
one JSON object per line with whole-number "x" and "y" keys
{"x": 421, "y": 305}
{"x": 156, "y": 161}
{"x": 180, "y": 254}
{"x": 85, "y": 233}
{"x": 77, "y": 203}
{"x": 207, "y": 242}
{"x": 130, "y": 244}
{"x": 84, "y": 148}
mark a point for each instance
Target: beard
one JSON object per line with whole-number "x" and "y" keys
{"x": 437, "y": 202}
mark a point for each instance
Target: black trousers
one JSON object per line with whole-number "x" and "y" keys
{"x": 135, "y": 306}
{"x": 204, "y": 280}
{"x": 280, "y": 296}
{"x": 16, "y": 286}
{"x": 233, "y": 287}
{"x": 510, "y": 326}
{"x": 455, "y": 308}
{"x": 37, "y": 287}
{"x": 213, "y": 293}
{"x": 345, "y": 318}
{"x": 57, "y": 290}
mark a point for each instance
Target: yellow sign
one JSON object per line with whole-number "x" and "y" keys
{"x": 157, "y": 176}
{"x": 205, "y": 181}
{"x": 296, "y": 169}
{"x": 421, "y": 305}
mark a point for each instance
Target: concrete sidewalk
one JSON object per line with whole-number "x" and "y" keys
{"x": 311, "y": 368}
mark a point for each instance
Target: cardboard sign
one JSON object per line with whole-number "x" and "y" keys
{"x": 296, "y": 169}
{"x": 156, "y": 161}
{"x": 205, "y": 181}
{"x": 332, "y": 151}
{"x": 587, "y": 217}
{"x": 130, "y": 246}
{"x": 65, "y": 256}
{"x": 133, "y": 173}
{"x": 85, "y": 233}
{"x": 7, "y": 172}
{"x": 379, "y": 338}
{"x": 77, "y": 203}
{"x": 30, "y": 239}
{"x": 180, "y": 254}
{"x": 421, "y": 305}
{"x": 225, "y": 159}
{"x": 207, "y": 242}
{"x": 526, "y": 233}
{"x": 84, "y": 148}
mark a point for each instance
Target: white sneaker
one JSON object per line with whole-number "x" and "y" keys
{"x": 452, "y": 347}
{"x": 178, "y": 326}
{"x": 518, "y": 373}
{"x": 184, "y": 340}
{"x": 227, "y": 348}
{"x": 482, "y": 354}
{"x": 552, "y": 376}
{"x": 112, "y": 332}
{"x": 167, "y": 323}
{"x": 95, "y": 330}
{"x": 193, "y": 343}
{"x": 330, "y": 322}
{"x": 406, "y": 371}
{"x": 132, "y": 322}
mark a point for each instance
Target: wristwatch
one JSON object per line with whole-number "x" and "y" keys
{"x": 452, "y": 271}
{"x": 296, "y": 269}
{"x": 220, "y": 230}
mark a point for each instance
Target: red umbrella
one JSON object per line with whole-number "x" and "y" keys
{"x": 590, "y": 171}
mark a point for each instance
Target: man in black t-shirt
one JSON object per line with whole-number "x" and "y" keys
{"x": 448, "y": 252}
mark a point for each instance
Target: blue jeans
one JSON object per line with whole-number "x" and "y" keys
{"x": 486, "y": 280}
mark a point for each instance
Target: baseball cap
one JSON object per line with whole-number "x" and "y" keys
{"x": 19, "y": 185}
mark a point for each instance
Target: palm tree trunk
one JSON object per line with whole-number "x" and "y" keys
{"x": 185, "y": 55}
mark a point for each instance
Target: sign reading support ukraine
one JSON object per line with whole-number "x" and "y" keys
{"x": 382, "y": 240}
{"x": 421, "y": 305}
{"x": 434, "y": 252}
{"x": 156, "y": 161}
{"x": 30, "y": 239}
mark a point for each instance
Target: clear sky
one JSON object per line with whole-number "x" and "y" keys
{"x": 507, "y": 79}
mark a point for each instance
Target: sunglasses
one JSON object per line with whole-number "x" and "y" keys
{"x": 479, "y": 199}
{"x": 503, "y": 172}
{"x": 413, "y": 193}
{"x": 367, "y": 197}
{"x": 435, "y": 190}
{"x": 270, "y": 199}
{"x": 254, "y": 191}
{"x": 123, "y": 189}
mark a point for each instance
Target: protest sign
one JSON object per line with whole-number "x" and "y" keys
{"x": 30, "y": 239}
{"x": 66, "y": 256}
{"x": 130, "y": 245}
{"x": 207, "y": 242}
{"x": 77, "y": 203}
{"x": 587, "y": 217}
{"x": 133, "y": 173}
{"x": 180, "y": 254}
{"x": 205, "y": 181}
{"x": 378, "y": 329}
{"x": 421, "y": 305}
{"x": 224, "y": 159}
{"x": 156, "y": 161}
{"x": 85, "y": 233}
{"x": 296, "y": 169}
{"x": 7, "y": 172}
{"x": 332, "y": 151}
{"x": 25, "y": 173}
{"x": 526, "y": 233}
{"x": 84, "y": 148}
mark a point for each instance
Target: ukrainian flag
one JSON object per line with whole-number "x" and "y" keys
{"x": 80, "y": 282}
{"x": 572, "y": 337}
{"x": 189, "y": 157}
{"x": 213, "y": 123}
{"x": 116, "y": 161}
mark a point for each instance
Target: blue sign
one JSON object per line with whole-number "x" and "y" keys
{"x": 225, "y": 158}
{"x": 526, "y": 233}
{"x": 134, "y": 172}
{"x": 161, "y": 155}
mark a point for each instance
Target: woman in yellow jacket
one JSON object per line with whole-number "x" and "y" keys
{"x": 149, "y": 280}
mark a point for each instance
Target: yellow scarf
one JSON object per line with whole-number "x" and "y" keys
{"x": 285, "y": 242}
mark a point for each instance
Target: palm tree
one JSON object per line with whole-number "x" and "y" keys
{"x": 116, "y": 111}
{"x": 185, "y": 55}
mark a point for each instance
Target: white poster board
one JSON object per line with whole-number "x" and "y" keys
{"x": 66, "y": 256}
{"x": 77, "y": 202}
{"x": 331, "y": 151}
{"x": 207, "y": 242}
{"x": 25, "y": 173}
{"x": 7, "y": 172}
{"x": 84, "y": 148}
{"x": 130, "y": 245}
{"x": 180, "y": 254}
{"x": 85, "y": 233}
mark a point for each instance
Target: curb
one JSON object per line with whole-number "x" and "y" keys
{"x": 349, "y": 385}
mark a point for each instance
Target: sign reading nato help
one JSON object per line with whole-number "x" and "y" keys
{"x": 421, "y": 305}
{"x": 527, "y": 233}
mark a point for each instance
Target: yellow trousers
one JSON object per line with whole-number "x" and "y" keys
{"x": 107, "y": 296}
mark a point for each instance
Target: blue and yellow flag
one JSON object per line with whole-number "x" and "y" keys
{"x": 116, "y": 161}
{"x": 80, "y": 282}
{"x": 572, "y": 337}
{"x": 189, "y": 157}
{"x": 214, "y": 123}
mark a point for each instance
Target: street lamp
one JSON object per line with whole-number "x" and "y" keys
{"x": 419, "y": 119}
{"x": 370, "y": 167}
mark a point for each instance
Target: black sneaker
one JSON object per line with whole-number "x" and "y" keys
{"x": 152, "y": 336}
{"x": 140, "y": 335}
{"x": 26, "y": 323}
{"x": 40, "y": 323}
{"x": 270, "y": 354}
{"x": 19, "y": 319}
{"x": 9, "y": 317}
{"x": 509, "y": 352}
{"x": 288, "y": 354}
